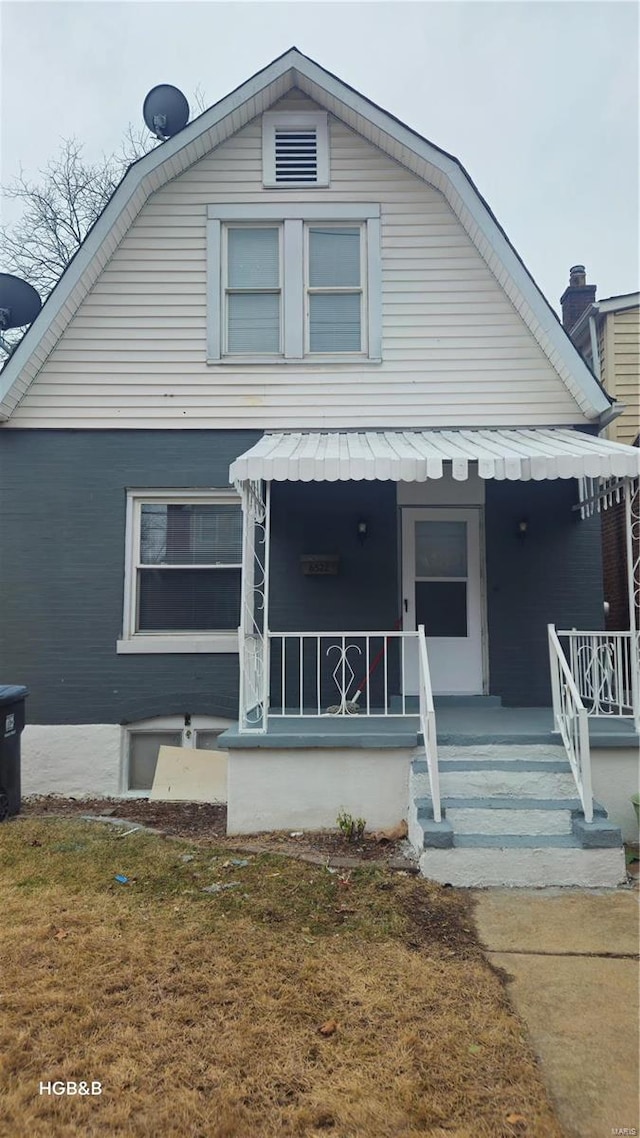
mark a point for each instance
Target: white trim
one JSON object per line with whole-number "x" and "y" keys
{"x": 141, "y": 644}
{"x": 220, "y": 122}
{"x": 295, "y": 211}
{"x": 148, "y": 643}
{"x": 300, "y": 120}
{"x": 293, "y": 292}
{"x": 214, "y": 305}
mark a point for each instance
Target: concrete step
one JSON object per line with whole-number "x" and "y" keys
{"x": 476, "y": 866}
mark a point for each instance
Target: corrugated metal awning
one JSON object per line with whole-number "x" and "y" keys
{"x": 414, "y": 456}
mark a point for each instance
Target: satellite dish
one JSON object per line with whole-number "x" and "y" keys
{"x": 165, "y": 111}
{"x": 19, "y": 302}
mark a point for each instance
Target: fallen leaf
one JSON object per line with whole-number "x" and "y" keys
{"x": 60, "y": 934}
{"x": 475, "y": 1049}
{"x": 514, "y": 1119}
{"x": 345, "y": 909}
{"x": 328, "y": 1028}
{"x": 393, "y": 834}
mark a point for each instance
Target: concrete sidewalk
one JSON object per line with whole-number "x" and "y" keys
{"x": 572, "y": 959}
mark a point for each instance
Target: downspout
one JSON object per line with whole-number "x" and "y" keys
{"x": 593, "y": 333}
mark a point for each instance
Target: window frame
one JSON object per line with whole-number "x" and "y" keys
{"x": 148, "y": 642}
{"x": 294, "y": 120}
{"x": 294, "y": 217}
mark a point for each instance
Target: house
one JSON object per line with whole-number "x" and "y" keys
{"x": 607, "y": 335}
{"x": 296, "y": 401}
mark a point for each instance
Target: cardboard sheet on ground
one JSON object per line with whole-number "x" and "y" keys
{"x": 184, "y": 774}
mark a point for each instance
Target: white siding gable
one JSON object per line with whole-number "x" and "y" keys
{"x": 455, "y": 351}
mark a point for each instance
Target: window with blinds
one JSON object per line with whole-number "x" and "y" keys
{"x": 253, "y": 290}
{"x": 188, "y": 566}
{"x": 334, "y": 289}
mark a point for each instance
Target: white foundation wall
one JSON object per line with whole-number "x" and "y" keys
{"x": 306, "y": 789}
{"x": 79, "y": 759}
{"x": 615, "y": 777}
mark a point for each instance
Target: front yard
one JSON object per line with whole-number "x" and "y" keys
{"x": 300, "y": 1001}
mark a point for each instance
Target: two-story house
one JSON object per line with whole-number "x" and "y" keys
{"x": 298, "y": 461}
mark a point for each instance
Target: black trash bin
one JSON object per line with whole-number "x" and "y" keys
{"x": 12, "y": 699}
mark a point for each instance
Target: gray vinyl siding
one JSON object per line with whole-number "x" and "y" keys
{"x": 552, "y": 575}
{"x": 62, "y": 521}
{"x": 455, "y": 350}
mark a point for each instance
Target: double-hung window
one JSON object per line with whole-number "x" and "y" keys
{"x": 182, "y": 576}
{"x": 253, "y": 289}
{"x": 294, "y": 282}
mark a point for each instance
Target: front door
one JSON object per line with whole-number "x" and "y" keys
{"x": 442, "y": 590}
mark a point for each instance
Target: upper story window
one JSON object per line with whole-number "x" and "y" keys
{"x": 292, "y": 283}
{"x": 295, "y": 149}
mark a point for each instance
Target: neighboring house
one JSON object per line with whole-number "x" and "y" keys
{"x": 607, "y": 335}
{"x": 298, "y": 380}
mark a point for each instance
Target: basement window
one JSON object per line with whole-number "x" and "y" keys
{"x": 295, "y": 149}
{"x": 143, "y": 740}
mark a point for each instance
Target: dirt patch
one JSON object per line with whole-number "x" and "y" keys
{"x": 203, "y": 821}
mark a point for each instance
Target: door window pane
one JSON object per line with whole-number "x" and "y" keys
{"x": 442, "y": 607}
{"x": 441, "y": 549}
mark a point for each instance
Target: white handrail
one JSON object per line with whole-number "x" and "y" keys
{"x": 570, "y": 719}
{"x": 428, "y": 723}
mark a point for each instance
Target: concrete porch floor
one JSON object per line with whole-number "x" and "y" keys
{"x": 456, "y": 726}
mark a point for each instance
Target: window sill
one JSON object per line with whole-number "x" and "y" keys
{"x": 307, "y": 361}
{"x": 223, "y": 642}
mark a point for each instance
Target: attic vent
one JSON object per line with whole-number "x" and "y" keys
{"x": 295, "y": 148}
{"x": 296, "y": 155}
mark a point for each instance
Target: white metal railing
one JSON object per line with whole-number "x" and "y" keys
{"x": 604, "y": 666}
{"x": 341, "y": 673}
{"x": 570, "y": 719}
{"x": 428, "y": 723}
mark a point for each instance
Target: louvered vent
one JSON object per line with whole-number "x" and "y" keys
{"x": 296, "y": 155}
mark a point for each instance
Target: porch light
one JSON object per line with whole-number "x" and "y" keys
{"x": 362, "y": 531}
{"x": 523, "y": 527}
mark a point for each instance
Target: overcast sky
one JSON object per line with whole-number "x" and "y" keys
{"x": 539, "y": 101}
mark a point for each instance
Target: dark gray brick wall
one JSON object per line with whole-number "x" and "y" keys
{"x": 553, "y": 575}
{"x": 62, "y": 525}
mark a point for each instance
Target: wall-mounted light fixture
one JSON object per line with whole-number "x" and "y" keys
{"x": 523, "y": 527}
{"x": 362, "y": 530}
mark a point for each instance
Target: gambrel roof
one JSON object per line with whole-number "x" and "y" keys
{"x": 220, "y": 122}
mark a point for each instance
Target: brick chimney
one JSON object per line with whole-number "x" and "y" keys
{"x": 578, "y": 296}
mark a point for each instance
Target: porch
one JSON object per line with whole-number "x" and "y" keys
{"x": 480, "y": 543}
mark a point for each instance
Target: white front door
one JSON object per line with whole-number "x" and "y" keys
{"x": 442, "y": 590}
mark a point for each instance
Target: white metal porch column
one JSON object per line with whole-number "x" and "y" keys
{"x": 254, "y": 607}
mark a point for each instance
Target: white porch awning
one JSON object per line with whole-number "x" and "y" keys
{"x": 415, "y": 456}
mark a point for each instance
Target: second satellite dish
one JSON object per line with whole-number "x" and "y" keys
{"x": 19, "y": 302}
{"x": 165, "y": 111}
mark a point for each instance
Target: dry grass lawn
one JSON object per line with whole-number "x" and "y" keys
{"x": 199, "y": 1013}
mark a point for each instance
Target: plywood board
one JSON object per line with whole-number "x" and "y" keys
{"x": 184, "y": 774}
